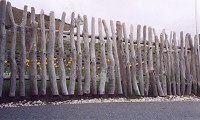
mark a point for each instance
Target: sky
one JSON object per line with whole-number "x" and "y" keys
{"x": 172, "y": 15}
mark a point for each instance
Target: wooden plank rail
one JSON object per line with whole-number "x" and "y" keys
{"x": 39, "y": 78}
{"x": 104, "y": 61}
{"x": 67, "y": 33}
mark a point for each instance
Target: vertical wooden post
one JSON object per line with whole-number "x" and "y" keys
{"x": 182, "y": 65}
{"x": 196, "y": 51}
{"x": 87, "y": 57}
{"x": 62, "y": 73}
{"x": 141, "y": 79}
{"x": 177, "y": 67}
{"x": 103, "y": 73}
{"x": 146, "y": 71}
{"x": 193, "y": 65}
{"x": 133, "y": 63}
{"x": 151, "y": 69}
{"x": 162, "y": 69}
{"x": 171, "y": 46}
{"x": 187, "y": 64}
{"x": 93, "y": 58}
{"x": 33, "y": 55}
{"x": 117, "y": 66}
{"x": 168, "y": 66}
{"x": 128, "y": 73}
{"x": 13, "y": 64}
{"x": 22, "y": 53}
{"x": 197, "y": 62}
{"x": 160, "y": 91}
{"x": 2, "y": 41}
{"x": 111, "y": 61}
{"x": 43, "y": 55}
{"x": 50, "y": 55}
{"x": 73, "y": 50}
{"x": 79, "y": 57}
{"x": 122, "y": 62}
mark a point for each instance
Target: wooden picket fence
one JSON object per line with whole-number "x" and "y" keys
{"x": 151, "y": 65}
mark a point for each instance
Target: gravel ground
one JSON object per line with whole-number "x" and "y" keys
{"x": 106, "y": 111}
{"x": 101, "y": 100}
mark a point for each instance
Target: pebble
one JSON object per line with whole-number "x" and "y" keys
{"x": 108, "y": 100}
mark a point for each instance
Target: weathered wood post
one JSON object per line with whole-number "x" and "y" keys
{"x": 22, "y": 53}
{"x": 168, "y": 66}
{"x": 133, "y": 63}
{"x": 162, "y": 69}
{"x": 73, "y": 50}
{"x": 86, "y": 57}
{"x": 62, "y": 73}
{"x": 177, "y": 65}
{"x": 193, "y": 65}
{"x": 93, "y": 59}
{"x": 141, "y": 78}
{"x": 146, "y": 71}
{"x": 197, "y": 62}
{"x": 111, "y": 61}
{"x": 103, "y": 73}
{"x": 43, "y": 55}
{"x": 2, "y": 41}
{"x": 160, "y": 91}
{"x": 13, "y": 64}
{"x": 33, "y": 55}
{"x": 115, "y": 52}
{"x": 173, "y": 79}
{"x": 187, "y": 64}
{"x": 182, "y": 64}
{"x": 79, "y": 57}
{"x": 50, "y": 55}
{"x": 122, "y": 62}
{"x": 127, "y": 58}
{"x": 151, "y": 69}
{"x": 198, "y": 43}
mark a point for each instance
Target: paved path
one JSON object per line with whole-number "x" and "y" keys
{"x": 107, "y": 111}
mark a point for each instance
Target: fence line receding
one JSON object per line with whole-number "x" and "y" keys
{"x": 36, "y": 59}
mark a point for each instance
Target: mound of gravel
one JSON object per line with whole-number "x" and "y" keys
{"x": 102, "y": 100}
